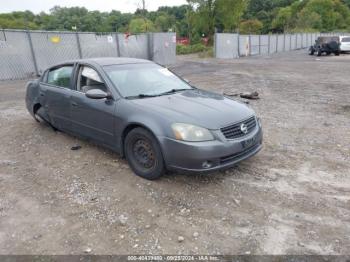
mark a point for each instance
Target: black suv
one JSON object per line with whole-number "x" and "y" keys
{"x": 325, "y": 44}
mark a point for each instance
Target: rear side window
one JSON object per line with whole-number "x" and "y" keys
{"x": 346, "y": 40}
{"x": 60, "y": 76}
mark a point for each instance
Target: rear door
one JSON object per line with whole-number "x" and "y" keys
{"x": 92, "y": 118}
{"x": 55, "y": 95}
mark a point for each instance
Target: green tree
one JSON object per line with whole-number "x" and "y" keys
{"x": 324, "y": 15}
{"x": 252, "y": 26}
{"x": 266, "y": 11}
{"x": 18, "y": 20}
{"x": 283, "y": 21}
{"x": 164, "y": 22}
{"x": 118, "y": 22}
{"x": 202, "y": 17}
{"x": 141, "y": 25}
{"x": 229, "y": 13}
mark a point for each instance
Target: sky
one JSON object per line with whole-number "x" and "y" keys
{"x": 36, "y": 6}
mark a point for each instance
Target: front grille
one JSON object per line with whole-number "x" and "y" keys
{"x": 234, "y": 131}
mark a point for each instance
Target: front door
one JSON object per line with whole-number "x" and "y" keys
{"x": 92, "y": 118}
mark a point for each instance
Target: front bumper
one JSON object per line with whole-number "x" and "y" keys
{"x": 211, "y": 155}
{"x": 345, "y": 48}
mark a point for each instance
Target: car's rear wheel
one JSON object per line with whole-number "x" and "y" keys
{"x": 143, "y": 154}
{"x": 311, "y": 51}
{"x": 39, "y": 116}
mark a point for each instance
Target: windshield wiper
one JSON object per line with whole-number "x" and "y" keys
{"x": 141, "y": 96}
{"x": 172, "y": 91}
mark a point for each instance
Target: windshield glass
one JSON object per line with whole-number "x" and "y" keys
{"x": 134, "y": 80}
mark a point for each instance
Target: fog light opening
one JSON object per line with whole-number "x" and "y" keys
{"x": 207, "y": 164}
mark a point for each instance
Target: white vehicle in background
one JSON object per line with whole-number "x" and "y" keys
{"x": 344, "y": 43}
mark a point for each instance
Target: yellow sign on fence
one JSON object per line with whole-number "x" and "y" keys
{"x": 55, "y": 39}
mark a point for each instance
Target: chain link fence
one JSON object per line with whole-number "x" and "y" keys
{"x": 25, "y": 54}
{"x": 235, "y": 45}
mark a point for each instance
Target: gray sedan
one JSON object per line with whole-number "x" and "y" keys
{"x": 146, "y": 113}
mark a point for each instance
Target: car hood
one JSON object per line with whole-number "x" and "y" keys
{"x": 197, "y": 107}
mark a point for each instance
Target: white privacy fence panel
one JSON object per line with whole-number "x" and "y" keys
{"x": 234, "y": 45}
{"x": 287, "y": 43}
{"x": 273, "y": 43}
{"x": 243, "y": 45}
{"x": 134, "y": 46}
{"x": 164, "y": 48}
{"x": 264, "y": 44}
{"x": 254, "y": 44}
{"x": 94, "y": 45}
{"x": 226, "y": 45}
{"x": 25, "y": 54}
{"x": 280, "y": 43}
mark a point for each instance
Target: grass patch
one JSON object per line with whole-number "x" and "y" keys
{"x": 192, "y": 49}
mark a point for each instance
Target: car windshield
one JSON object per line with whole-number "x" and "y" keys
{"x": 144, "y": 80}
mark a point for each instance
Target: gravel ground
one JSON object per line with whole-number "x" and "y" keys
{"x": 291, "y": 198}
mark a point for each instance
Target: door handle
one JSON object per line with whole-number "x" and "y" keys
{"x": 74, "y": 104}
{"x": 42, "y": 94}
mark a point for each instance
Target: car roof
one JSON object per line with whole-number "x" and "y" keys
{"x": 328, "y": 38}
{"x": 104, "y": 61}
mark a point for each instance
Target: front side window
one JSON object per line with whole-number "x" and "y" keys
{"x": 144, "y": 80}
{"x": 346, "y": 40}
{"x": 60, "y": 76}
{"x": 89, "y": 79}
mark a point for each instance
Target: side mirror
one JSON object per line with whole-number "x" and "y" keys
{"x": 96, "y": 94}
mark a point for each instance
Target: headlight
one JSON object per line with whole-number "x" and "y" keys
{"x": 187, "y": 132}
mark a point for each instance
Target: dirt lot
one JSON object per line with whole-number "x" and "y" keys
{"x": 292, "y": 198}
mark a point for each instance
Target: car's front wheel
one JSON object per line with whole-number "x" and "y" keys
{"x": 143, "y": 154}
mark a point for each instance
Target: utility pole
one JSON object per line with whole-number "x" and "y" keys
{"x": 143, "y": 5}
{"x": 143, "y": 12}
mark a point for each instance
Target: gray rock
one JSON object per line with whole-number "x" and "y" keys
{"x": 88, "y": 250}
{"x": 123, "y": 219}
{"x": 180, "y": 239}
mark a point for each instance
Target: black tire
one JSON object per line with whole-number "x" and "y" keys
{"x": 38, "y": 116}
{"x": 319, "y": 52}
{"x": 39, "y": 119}
{"x": 311, "y": 51}
{"x": 337, "y": 53}
{"x": 143, "y": 154}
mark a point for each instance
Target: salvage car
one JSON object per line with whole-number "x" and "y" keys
{"x": 152, "y": 117}
{"x": 325, "y": 44}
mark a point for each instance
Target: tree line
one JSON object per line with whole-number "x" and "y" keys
{"x": 196, "y": 19}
